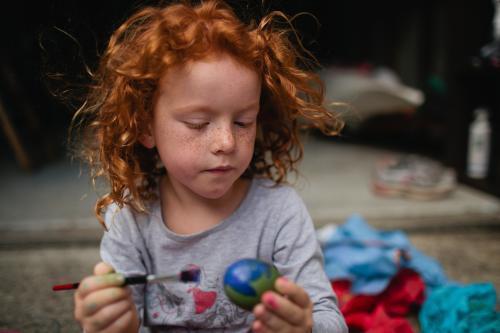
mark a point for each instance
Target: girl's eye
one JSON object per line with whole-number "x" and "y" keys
{"x": 196, "y": 126}
{"x": 242, "y": 124}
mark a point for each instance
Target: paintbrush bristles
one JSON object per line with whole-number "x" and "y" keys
{"x": 186, "y": 276}
{"x": 191, "y": 275}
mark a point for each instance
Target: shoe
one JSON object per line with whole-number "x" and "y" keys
{"x": 413, "y": 177}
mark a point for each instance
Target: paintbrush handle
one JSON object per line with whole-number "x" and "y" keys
{"x": 136, "y": 279}
{"x": 128, "y": 280}
{"x": 190, "y": 275}
{"x": 67, "y": 286}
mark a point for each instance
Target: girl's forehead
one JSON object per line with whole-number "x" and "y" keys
{"x": 208, "y": 71}
{"x": 214, "y": 61}
{"x": 217, "y": 81}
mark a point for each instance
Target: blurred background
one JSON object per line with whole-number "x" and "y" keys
{"x": 413, "y": 75}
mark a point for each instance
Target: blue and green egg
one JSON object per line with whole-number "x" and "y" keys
{"x": 247, "y": 279}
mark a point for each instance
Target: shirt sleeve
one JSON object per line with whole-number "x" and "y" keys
{"x": 298, "y": 256}
{"x": 121, "y": 248}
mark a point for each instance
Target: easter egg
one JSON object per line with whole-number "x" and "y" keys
{"x": 247, "y": 279}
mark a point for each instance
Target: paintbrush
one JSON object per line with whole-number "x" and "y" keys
{"x": 189, "y": 275}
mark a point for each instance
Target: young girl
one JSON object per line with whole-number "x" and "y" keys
{"x": 193, "y": 119}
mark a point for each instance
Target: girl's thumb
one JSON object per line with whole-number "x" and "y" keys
{"x": 102, "y": 268}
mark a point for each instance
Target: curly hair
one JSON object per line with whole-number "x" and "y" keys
{"x": 120, "y": 100}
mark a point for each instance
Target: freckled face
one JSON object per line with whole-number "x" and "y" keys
{"x": 204, "y": 124}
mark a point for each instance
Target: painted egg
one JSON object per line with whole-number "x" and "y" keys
{"x": 247, "y": 279}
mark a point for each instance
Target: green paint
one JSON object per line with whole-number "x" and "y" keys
{"x": 260, "y": 286}
{"x": 115, "y": 279}
{"x": 85, "y": 286}
{"x": 91, "y": 307}
{"x": 245, "y": 302}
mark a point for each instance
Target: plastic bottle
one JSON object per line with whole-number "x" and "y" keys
{"x": 478, "y": 156}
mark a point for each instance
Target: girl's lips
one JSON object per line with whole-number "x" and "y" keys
{"x": 221, "y": 169}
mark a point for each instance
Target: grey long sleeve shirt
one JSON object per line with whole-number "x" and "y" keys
{"x": 271, "y": 224}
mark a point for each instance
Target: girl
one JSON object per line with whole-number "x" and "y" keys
{"x": 193, "y": 120}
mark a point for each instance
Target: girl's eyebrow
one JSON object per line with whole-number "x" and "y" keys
{"x": 206, "y": 108}
{"x": 193, "y": 109}
{"x": 250, "y": 107}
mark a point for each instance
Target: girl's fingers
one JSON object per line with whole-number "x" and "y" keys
{"x": 283, "y": 308}
{"x": 101, "y": 298}
{"x": 290, "y": 307}
{"x": 102, "y": 268}
{"x": 101, "y": 303}
{"x": 106, "y": 316}
{"x": 259, "y": 327}
{"x": 267, "y": 321}
{"x": 89, "y": 285}
{"x": 295, "y": 293}
{"x": 124, "y": 323}
{"x": 94, "y": 283}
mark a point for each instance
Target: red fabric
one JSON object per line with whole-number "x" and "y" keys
{"x": 382, "y": 313}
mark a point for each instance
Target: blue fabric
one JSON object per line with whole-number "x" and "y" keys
{"x": 369, "y": 257}
{"x": 461, "y": 309}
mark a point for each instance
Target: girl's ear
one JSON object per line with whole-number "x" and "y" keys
{"x": 147, "y": 139}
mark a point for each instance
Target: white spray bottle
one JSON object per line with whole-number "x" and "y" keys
{"x": 478, "y": 155}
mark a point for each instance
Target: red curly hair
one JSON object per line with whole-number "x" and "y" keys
{"x": 119, "y": 105}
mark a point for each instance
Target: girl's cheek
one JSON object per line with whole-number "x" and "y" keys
{"x": 247, "y": 135}
{"x": 193, "y": 143}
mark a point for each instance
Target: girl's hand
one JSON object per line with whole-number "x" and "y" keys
{"x": 289, "y": 312}
{"x": 103, "y": 305}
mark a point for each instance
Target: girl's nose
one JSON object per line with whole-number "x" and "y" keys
{"x": 223, "y": 140}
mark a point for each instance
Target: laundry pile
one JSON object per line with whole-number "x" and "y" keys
{"x": 380, "y": 279}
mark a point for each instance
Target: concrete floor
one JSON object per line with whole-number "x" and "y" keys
{"x": 29, "y": 305}
{"x": 334, "y": 182}
{"x": 49, "y": 235}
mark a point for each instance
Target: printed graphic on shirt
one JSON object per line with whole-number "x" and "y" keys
{"x": 203, "y": 300}
{"x": 192, "y": 305}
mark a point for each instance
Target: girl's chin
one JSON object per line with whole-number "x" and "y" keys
{"x": 214, "y": 194}
{"x": 221, "y": 191}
